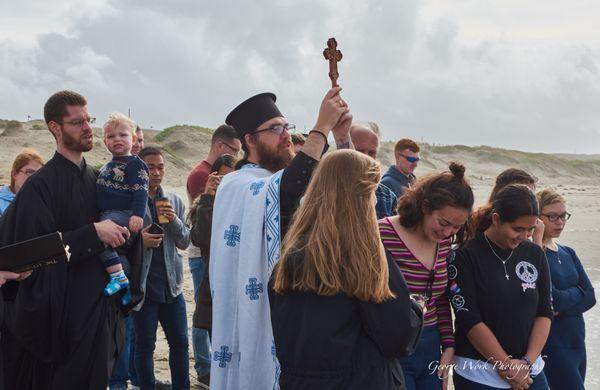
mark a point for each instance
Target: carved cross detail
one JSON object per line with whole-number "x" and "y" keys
{"x": 333, "y": 55}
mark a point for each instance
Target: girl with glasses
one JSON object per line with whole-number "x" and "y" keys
{"x": 419, "y": 238}
{"x": 25, "y": 164}
{"x": 572, "y": 295}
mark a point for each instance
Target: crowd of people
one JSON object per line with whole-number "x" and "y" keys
{"x": 311, "y": 268}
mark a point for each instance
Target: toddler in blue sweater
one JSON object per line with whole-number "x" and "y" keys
{"x": 122, "y": 192}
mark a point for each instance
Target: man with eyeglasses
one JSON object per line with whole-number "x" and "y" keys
{"x": 400, "y": 176}
{"x": 252, "y": 210}
{"x": 64, "y": 333}
{"x": 225, "y": 140}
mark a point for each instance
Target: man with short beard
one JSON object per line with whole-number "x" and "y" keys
{"x": 252, "y": 210}
{"x": 62, "y": 328}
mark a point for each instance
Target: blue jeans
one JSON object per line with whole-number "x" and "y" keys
{"x": 173, "y": 320}
{"x": 460, "y": 383}
{"x": 417, "y": 367}
{"x": 200, "y": 338}
{"x": 121, "y": 217}
{"x": 124, "y": 368}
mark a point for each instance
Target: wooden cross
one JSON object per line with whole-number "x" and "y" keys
{"x": 333, "y": 55}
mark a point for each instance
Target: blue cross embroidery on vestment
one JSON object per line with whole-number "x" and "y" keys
{"x": 253, "y": 289}
{"x": 223, "y": 356}
{"x": 256, "y": 187}
{"x": 232, "y": 235}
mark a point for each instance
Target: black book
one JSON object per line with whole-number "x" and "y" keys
{"x": 33, "y": 254}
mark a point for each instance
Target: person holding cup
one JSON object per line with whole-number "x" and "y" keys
{"x": 162, "y": 279}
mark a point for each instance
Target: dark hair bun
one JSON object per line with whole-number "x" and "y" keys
{"x": 457, "y": 169}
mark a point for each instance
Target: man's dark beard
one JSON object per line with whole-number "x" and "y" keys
{"x": 271, "y": 160}
{"x": 74, "y": 144}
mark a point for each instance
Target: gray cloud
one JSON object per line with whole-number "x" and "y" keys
{"x": 419, "y": 69}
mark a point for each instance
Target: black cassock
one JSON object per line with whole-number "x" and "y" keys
{"x": 60, "y": 331}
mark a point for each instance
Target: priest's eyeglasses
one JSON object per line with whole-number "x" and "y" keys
{"x": 80, "y": 122}
{"x": 555, "y": 217}
{"x": 277, "y": 129}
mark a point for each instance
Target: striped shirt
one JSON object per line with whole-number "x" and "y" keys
{"x": 423, "y": 281}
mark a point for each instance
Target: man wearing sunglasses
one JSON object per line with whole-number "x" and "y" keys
{"x": 252, "y": 209}
{"x": 401, "y": 175}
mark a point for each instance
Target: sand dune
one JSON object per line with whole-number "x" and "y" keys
{"x": 575, "y": 176}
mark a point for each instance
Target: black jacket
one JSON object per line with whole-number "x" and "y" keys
{"x": 201, "y": 235}
{"x": 340, "y": 342}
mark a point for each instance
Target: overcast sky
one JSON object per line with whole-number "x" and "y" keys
{"x": 511, "y": 73}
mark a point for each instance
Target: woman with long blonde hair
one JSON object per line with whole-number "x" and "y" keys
{"x": 340, "y": 309}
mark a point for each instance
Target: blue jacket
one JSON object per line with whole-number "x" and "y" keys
{"x": 396, "y": 180}
{"x": 6, "y": 198}
{"x": 572, "y": 295}
{"x": 386, "y": 201}
{"x": 177, "y": 236}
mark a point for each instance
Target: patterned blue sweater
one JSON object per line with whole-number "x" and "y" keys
{"x": 123, "y": 185}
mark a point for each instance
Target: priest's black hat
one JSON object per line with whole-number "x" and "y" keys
{"x": 253, "y": 112}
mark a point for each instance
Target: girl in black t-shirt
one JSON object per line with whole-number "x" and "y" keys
{"x": 500, "y": 289}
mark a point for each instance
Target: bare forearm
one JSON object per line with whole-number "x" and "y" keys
{"x": 538, "y": 337}
{"x": 315, "y": 143}
{"x": 343, "y": 143}
{"x": 486, "y": 343}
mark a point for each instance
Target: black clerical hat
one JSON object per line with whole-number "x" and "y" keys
{"x": 255, "y": 111}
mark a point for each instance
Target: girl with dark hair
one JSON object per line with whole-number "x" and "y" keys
{"x": 572, "y": 295}
{"x": 500, "y": 291}
{"x": 419, "y": 238}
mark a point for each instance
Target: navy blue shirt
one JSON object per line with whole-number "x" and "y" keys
{"x": 396, "y": 180}
{"x": 157, "y": 285}
{"x": 123, "y": 185}
{"x": 572, "y": 294}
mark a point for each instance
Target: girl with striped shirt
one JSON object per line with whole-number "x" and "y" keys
{"x": 419, "y": 238}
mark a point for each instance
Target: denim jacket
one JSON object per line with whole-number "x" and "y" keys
{"x": 177, "y": 236}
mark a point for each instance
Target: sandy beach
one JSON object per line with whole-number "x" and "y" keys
{"x": 577, "y": 177}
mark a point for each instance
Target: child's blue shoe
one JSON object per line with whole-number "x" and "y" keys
{"x": 116, "y": 284}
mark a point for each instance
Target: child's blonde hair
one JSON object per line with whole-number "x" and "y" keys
{"x": 115, "y": 119}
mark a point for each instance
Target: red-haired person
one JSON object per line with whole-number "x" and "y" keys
{"x": 25, "y": 164}
{"x": 401, "y": 175}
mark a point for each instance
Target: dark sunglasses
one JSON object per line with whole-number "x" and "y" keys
{"x": 411, "y": 159}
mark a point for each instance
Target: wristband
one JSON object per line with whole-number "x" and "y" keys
{"x": 528, "y": 361}
{"x": 319, "y": 132}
